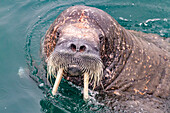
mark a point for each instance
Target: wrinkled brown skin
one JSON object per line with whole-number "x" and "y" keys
{"x": 134, "y": 64}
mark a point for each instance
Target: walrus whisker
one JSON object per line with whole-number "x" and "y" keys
{"x": 91, "y": 78}
{"x": 51, "y": 80}
{"x": 89, "y": 66}
{"x": 47, "y": 77}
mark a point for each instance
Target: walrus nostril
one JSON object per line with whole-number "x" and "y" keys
{"x": 82, "y": 48}
{"x": 77, "y": 48}
{"x": 73, "y": 47}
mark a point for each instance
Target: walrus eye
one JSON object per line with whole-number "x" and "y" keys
{"x": 100, "y": 37}
{"x": 96, "y": 49}
{"x": 58, "y": 34}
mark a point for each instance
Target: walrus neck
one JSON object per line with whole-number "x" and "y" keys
{"x": 122, "y": 48}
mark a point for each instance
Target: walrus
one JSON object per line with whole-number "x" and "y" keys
{"x": 88, "y": 47}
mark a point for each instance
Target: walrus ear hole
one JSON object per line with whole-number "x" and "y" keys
{"x": 57, "y": 36}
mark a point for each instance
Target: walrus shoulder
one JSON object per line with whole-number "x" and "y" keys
{"x": 162, "y": 43}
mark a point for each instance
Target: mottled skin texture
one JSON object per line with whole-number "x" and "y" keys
{"x": 133, "y": 64}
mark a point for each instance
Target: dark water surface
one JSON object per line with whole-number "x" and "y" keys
{"x": 24, "y": 22}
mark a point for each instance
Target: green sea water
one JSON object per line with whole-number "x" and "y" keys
{"x": 24, "y": 22}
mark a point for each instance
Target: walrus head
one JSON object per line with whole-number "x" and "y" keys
{"x": 76, "y": 52}
{"x": 83, "y": 41}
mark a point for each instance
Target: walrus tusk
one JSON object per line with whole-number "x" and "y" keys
{"x": 86, "y": 83}
{"x": 57, "y": 81}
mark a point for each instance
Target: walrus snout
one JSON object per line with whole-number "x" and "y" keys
{"x": 76, "y": 55}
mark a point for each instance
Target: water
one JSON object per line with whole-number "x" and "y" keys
{"x": 23, "y": 23}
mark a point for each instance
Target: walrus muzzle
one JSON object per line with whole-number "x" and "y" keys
{"x": 75, "y": 57}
